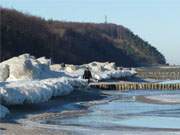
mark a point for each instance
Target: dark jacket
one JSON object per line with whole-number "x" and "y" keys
{"x": 87, "y": 74}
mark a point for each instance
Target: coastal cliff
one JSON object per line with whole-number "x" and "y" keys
{"x": 73, "y": 42}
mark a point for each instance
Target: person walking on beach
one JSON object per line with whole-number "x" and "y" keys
{"x": 87, "y": 74}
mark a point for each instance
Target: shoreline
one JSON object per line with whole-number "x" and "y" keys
{"x": 33, "y": 112}
{"x": 37, "y": 112}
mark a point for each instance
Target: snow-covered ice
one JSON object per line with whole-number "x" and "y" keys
{"x": 100, "y": 71}
{"x": 26, "y": 80}
{"x": 4, "y": 72}
{"x": 35, "y": 91}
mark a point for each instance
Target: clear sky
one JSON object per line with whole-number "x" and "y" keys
{"x": 156, "y": 21}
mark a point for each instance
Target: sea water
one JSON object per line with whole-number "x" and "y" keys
{"x": 123, "y": 113}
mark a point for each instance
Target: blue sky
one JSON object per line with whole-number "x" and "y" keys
{"x": 156, "y": 21}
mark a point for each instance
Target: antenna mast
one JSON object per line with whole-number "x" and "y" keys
{"x": 105, "y": 19}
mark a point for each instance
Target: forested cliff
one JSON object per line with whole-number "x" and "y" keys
{"x": 71, "y": 42}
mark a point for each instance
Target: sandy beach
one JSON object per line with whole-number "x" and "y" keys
{"x": 18, "y": 129}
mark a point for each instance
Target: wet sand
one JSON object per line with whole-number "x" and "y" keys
{"x": 8, "y": 128}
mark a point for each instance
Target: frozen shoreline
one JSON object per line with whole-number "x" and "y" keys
{"x": 46, "y": 111}
{"x": 27, "y": 80}
{"x": 31, "y": 89}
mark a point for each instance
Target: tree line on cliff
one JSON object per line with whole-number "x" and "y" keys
{"x": 73, "y": 42}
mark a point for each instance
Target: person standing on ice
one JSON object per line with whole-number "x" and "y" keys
{"x": 87, "y": 74}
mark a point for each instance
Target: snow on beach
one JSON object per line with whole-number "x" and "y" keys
{"x": 26, "y": 80}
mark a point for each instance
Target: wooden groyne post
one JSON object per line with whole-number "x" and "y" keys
{"x": 136, "y": 86}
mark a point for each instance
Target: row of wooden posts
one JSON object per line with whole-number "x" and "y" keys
{"x": 136, "y": 86}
